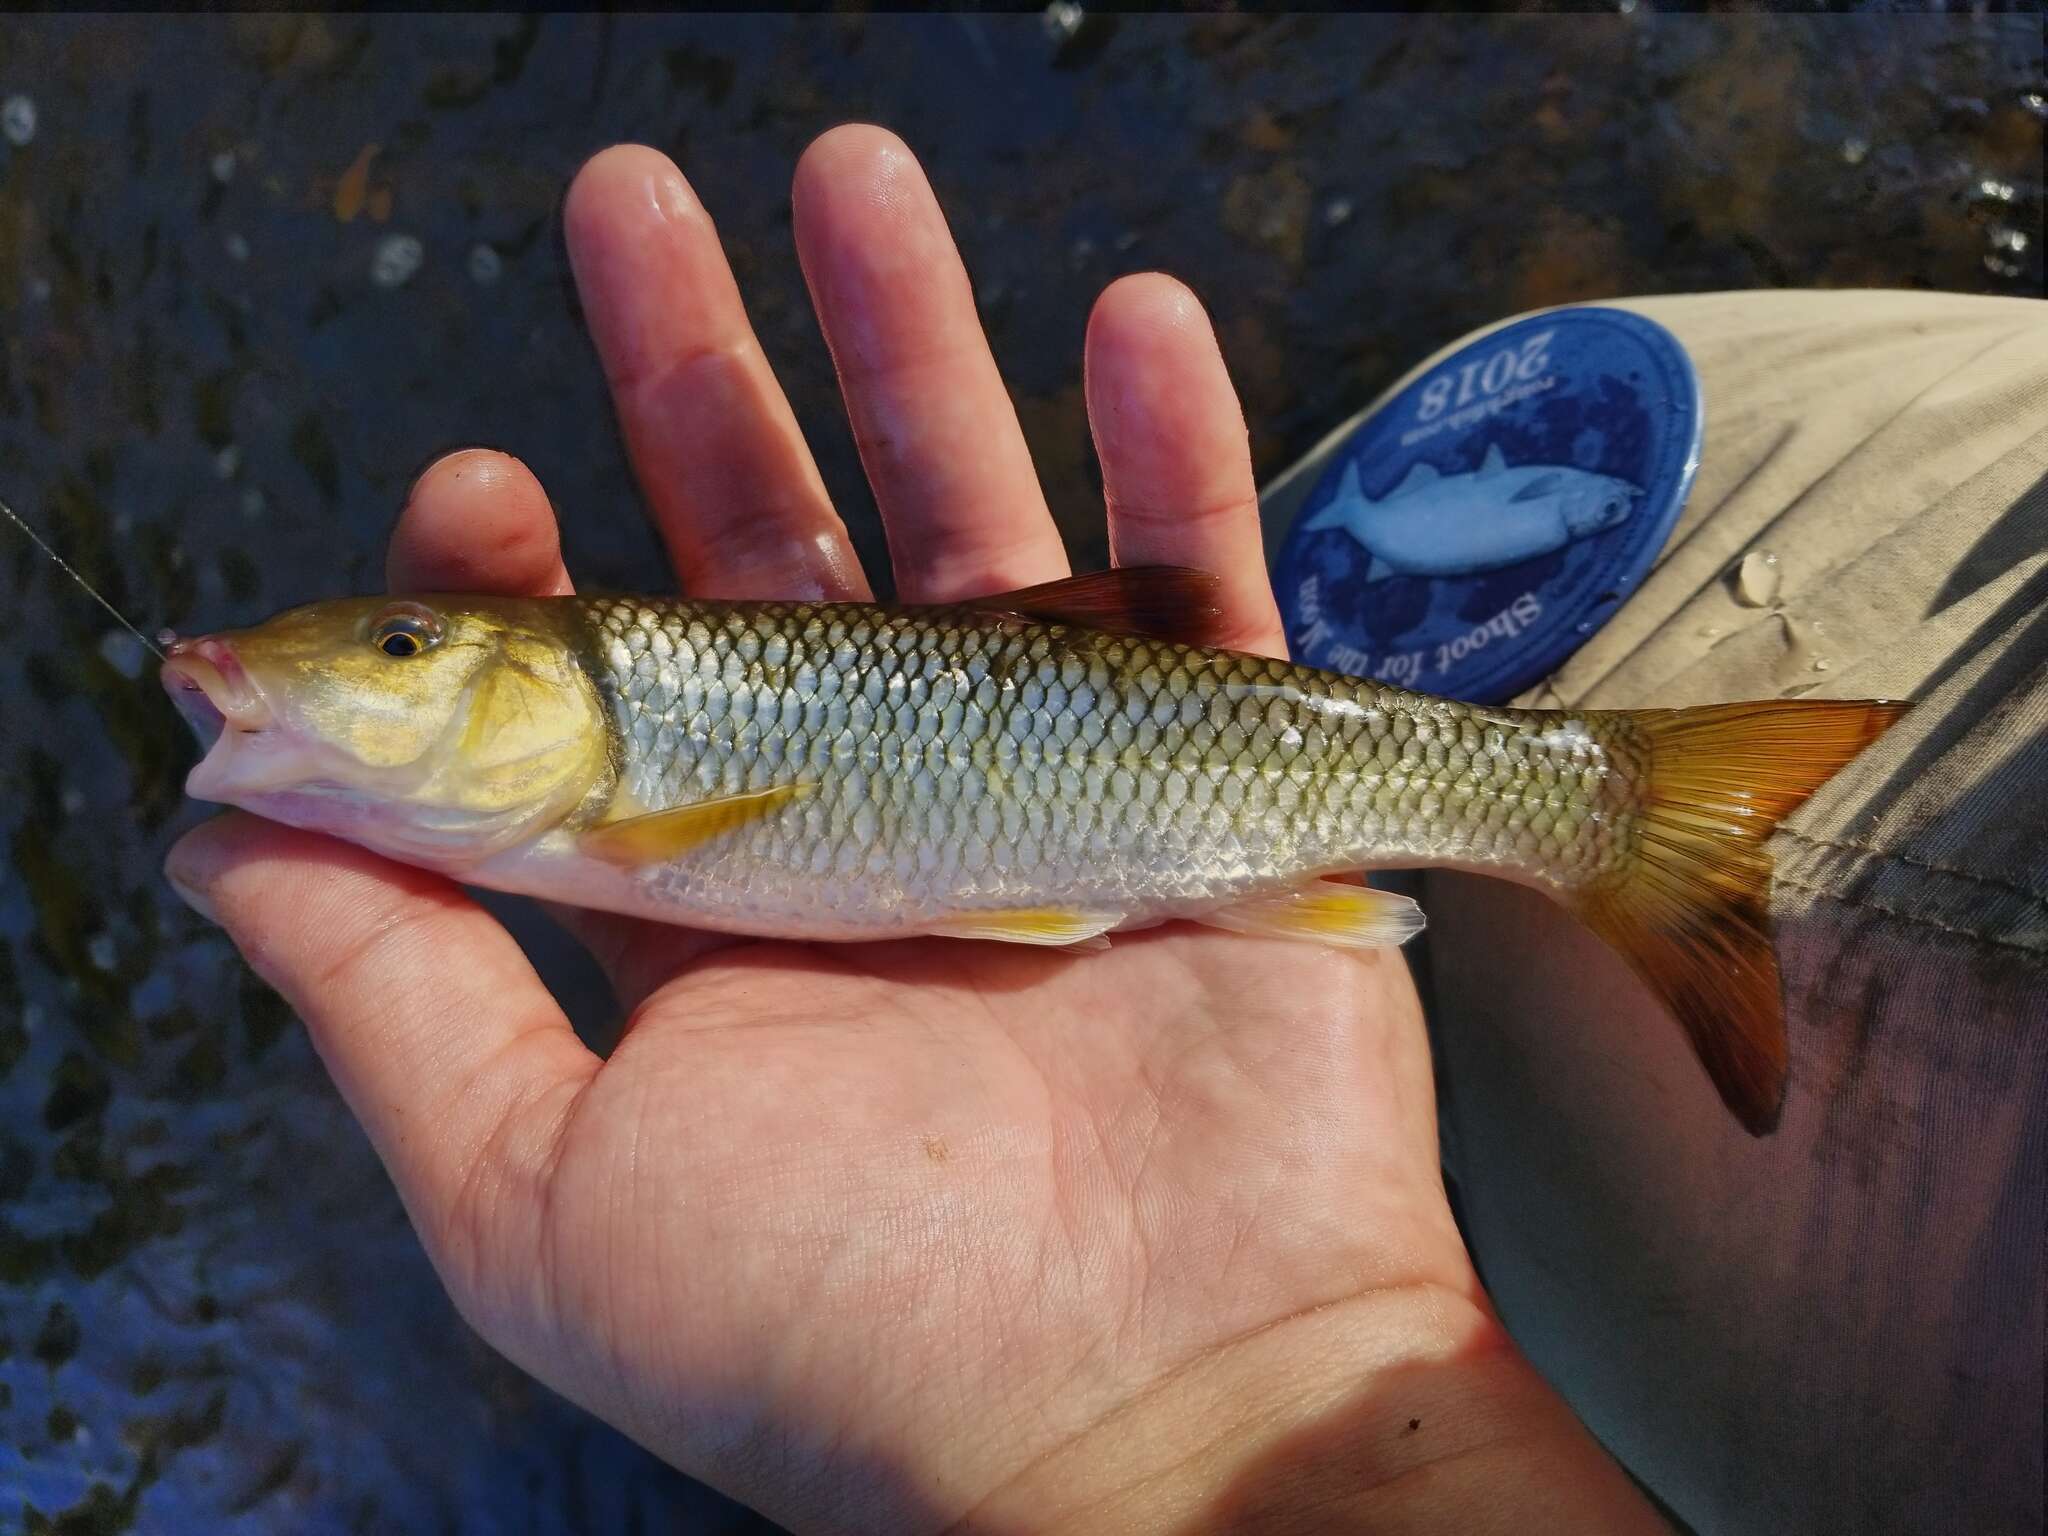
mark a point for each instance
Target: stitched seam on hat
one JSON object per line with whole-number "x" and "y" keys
{"x": 2038, "y": 949}
{"x": 1893, "y": 856}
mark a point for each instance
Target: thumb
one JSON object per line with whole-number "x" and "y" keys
{"x": 451, "y": 1053}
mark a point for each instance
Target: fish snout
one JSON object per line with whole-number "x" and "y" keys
{"x": 211, "y": 688}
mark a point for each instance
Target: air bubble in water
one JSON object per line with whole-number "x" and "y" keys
{"x": 396, "y": 259}
{"x": 123, "y": 652}
{"x": 17, "y": 120}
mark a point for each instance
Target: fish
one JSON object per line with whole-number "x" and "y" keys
{"x": 1433, "y": 524}
{"x": 1047, "y": 766}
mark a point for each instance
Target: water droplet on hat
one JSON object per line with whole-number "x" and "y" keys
{"x": 1757, "y": 579}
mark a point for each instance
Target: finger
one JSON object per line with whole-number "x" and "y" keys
{"x": 1176, "y": 463}
{"x": 937, "y": 433}
{"x": 443, "y": 1041}
{"x": 477, "y": 521}
{"x": 734, "y": 491}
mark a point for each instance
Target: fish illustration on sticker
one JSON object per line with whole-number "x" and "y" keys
{"x": 1433, "y": 524}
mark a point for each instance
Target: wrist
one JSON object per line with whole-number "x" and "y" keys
{"x": 1399, "y": 1411}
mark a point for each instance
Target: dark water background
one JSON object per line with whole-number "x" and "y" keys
{"x": 212, "y": 1315}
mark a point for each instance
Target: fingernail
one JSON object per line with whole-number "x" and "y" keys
{"x": 437, "y": 461}
{"x": 192, "y": 896}
{"x": 189, "y": 869}
{"x": 670, "y": 197}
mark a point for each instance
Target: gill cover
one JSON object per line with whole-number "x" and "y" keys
{"x": 446, "y": 726}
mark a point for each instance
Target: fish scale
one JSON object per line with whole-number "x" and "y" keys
{"x": 1035, "y": 768}
{"x": 964, "y": 761}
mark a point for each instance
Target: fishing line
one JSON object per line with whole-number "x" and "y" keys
{"x": 67, "y": 568}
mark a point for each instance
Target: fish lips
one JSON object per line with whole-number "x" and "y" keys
{"x": 212, "y": 689}
{"x": 226, "y": 710}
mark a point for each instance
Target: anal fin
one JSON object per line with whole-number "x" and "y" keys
{"x": 1033, "y": 925}
{"x": 657, "y": 836}
{"x": 1324, "y": 912}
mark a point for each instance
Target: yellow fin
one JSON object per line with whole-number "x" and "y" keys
{"x": 660, "y": 835}
{"x": 1691, "y": 914}
{"x": 1324, "y": 912}
{"x": 1033, "y": 925}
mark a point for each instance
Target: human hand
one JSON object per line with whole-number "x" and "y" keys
{"x": 930, "y": 1234}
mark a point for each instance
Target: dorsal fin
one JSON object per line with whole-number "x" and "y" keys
{"x": 1421, "y": 477}
{"x": 1348, "y": 488}
{"x": 1537, "y": 489}
{"x": 1161, "y": 602}
{"x": 1493, "y": 463}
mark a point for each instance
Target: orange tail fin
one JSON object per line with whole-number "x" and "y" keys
{"x": 1691, "y": 916}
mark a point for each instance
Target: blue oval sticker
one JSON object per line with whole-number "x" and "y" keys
{"x": 1474, "y": 530}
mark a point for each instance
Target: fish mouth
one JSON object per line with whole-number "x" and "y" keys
{"x": 212, "y": 690}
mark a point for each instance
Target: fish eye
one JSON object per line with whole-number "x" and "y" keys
{"x": 406, "y": 632}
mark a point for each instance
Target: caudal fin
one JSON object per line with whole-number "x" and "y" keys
{"x": 1338, "y": 511}
{"x": 1691, "y": 916}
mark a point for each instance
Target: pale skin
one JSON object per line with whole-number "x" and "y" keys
{"x": 930, "y": 1235}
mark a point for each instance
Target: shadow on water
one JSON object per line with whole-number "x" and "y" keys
{"x": 255, "y": 271}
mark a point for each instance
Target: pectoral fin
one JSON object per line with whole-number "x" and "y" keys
{"x": 1034, "y": 925}
{"x": 658, "y": 836}
{"x": 1325, "y": 912}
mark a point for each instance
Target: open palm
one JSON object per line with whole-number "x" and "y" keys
{"x": 891, "y": 1236}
